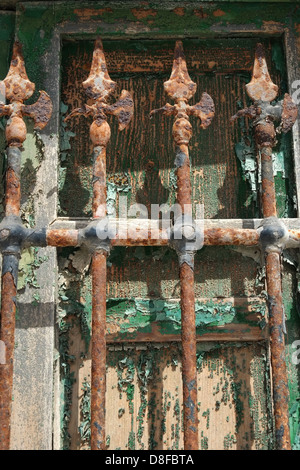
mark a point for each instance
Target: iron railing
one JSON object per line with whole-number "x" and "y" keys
{"x": 273, "y": 236}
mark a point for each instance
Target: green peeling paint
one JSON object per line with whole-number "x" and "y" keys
{"x": 85, "y": 410}
{"x": 29, "y": 263}
{"x": 117, "y": 184}
{"x": 137, "y": 315}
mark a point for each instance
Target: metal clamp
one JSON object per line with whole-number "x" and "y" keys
{"x": 273, "y": 235}
{"x": 186, "y": 238}
{"x": 97, "y": 236}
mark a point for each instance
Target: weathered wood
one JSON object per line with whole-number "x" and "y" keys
{"x": 145, "y": 412}
{"x": 35, "y": 334}
{"x": 216, "y": 68}
{"x": 292, "y": 49}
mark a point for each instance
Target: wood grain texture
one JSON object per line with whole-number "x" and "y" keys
{"x": 144, "y": 411}
{"x": 144, "y": 152}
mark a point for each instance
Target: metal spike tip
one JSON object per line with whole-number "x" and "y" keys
{"x": 261, "y": 87}
{"x": 180, "y": 86}
{"x": 98, "y": 85}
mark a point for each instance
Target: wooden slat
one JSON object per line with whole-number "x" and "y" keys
{"x": 231, "y": 387}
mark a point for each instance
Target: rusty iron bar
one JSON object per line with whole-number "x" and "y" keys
{"x": 98, "y": 270}
{"x": 212, "y": 237}
{"x": 98, "y": 87}
{"x": 17, "y": 88}
{"x": 262, "y": 91}
{"x": 181, "y": 88}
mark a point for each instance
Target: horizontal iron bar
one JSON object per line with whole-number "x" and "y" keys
{"x": 137, "y": 232}
{"x": 149, "y": 234}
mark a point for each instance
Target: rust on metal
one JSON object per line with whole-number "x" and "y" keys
{"x": 289, "y": 113}
{"x": 40, "y": 111}
{"x": 62, "y": 237}
{"x": 261, "y": 87}
{"x": 262, "y": 91}
{"x": 228, "y": 236}
{"x": 267, "y": 183}
{"x": 98, "y": 389}
{"x": 181, "y": 88}
{"x": 189, "y": 358}
{"x": 98, "y": 87}
{"x": 8, "y": 315}
{"x": 146, "y": 236}
{"x": 17, "y": 88}
{"x": 279, "y": 372}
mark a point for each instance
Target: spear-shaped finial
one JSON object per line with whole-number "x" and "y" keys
{"x": 181, "y": 88}
{"x": 98, "y": 87}
{"x": 262, "y": 91}
{"x": 17, "y": 84}
{"x": 261, "y": 87}
{"x": 17, "y": 88}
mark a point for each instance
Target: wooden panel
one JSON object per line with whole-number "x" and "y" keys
{"x": 140, "y": 167}
{"x": 140, "y": 158}
{"x": 144, "y": 398}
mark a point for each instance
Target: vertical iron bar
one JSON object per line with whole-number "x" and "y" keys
{"x": 263, "y": 92}
{"x": 98, "y": 387}
{"x": 181, "y": 88}
{"x": 98, "y": 87}
{"x": 276, "y": 311}
{"x": 188, "y": 318}
{"x": 18, "y": 89}
{"x": 10, "y": 264}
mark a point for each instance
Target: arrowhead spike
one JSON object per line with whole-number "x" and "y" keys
{"x": 40, "y": 111}
{"x": 180, "y": 86}
{"x": 123, "y": 109}
{"x": 289, "y": 113}
{"x": 99, "y": 85}
{"x": 261, "y": 87}
{"x": 204, "y": 110}
{"x": 18, "y": 87}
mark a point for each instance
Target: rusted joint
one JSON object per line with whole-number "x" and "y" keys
{"x": 273, "y": 235}
{"x": 97, "y": 236}
{"x": 186, "y": 238}
{"x": 12, "y": 235}
{"x": 180, "y": 157}
{"x": 14, "y": 160}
